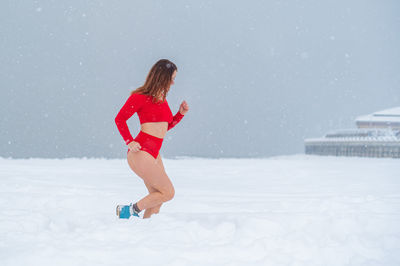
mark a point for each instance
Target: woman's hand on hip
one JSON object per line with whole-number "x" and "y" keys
{"x": 184, "y": 108}
{"x": 134, "y": 146}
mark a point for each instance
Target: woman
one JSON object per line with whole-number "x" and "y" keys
{"x": 155, "y": 116}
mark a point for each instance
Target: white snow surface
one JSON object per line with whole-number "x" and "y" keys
{"x": 289, "y": 210}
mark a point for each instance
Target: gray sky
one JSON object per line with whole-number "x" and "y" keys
{"x": 259, "y": 76}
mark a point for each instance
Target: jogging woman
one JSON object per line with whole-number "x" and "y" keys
{"x": 149, "y": 102}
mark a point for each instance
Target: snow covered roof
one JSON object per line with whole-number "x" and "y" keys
{"x": 359, "y": 135}
{"x": 364, "y": 140}
{"x": 385, "y": 116}
{"x": 364, "y": 132}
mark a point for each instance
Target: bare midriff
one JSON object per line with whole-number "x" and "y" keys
{"x": 156, "y": 129}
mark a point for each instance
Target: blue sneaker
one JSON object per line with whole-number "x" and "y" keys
{"x": 126, "y": 211}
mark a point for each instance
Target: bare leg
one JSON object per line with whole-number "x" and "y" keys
{"x": 154, "y": 176}
{"x": 154, "y": 210}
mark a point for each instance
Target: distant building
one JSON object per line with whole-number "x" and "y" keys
{"x": 389, "y": 118}
{"x": 378, "y": 135}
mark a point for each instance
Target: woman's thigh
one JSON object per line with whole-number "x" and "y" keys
{"x": 160, "y": 162}
{"x": 150, "y": 170}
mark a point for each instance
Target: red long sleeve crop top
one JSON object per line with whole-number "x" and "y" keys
{"x": 147, "y": 112}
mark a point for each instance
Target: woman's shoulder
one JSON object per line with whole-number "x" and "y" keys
{"x": 136, "y": 98}
{"x": 139, "y": 95}
{"x": 139, "y": 98}
{"x": 147, "y": 97}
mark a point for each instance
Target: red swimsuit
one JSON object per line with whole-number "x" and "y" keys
{"x": 147, "y": 112}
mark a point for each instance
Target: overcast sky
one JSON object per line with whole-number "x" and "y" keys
{"x": 259, "y": 76}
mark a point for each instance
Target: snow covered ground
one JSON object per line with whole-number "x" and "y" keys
{"x": 292, "y": 210}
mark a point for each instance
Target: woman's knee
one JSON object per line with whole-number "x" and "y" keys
{"x": 169, "y": 194}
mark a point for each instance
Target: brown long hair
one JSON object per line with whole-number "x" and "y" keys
{"x": 158, "y": 80}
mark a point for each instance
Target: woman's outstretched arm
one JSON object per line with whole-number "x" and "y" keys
{"x": 183, "y": 109}
{"x": 175, "y": 120}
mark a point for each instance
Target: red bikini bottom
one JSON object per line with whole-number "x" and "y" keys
{"x": 149, "y": 143}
